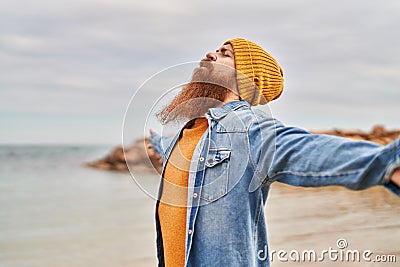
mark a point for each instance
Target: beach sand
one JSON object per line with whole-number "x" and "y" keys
{"x": 315, "y": 218}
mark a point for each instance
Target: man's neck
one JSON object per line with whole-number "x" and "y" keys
{"x": 230, "y": 97}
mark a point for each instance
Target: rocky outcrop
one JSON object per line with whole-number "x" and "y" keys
{"x": 135, "y": 156}
{"x": 378, "y": 134}
{"x": 137, "y": 159}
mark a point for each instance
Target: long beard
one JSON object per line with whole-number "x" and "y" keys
{"x": 195, "y": 99}
{"x": 205, "y": 91}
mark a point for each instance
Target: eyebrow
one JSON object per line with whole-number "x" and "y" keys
{"x": 223, "y": 49}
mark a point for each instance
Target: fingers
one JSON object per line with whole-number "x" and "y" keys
{"x": 152, "y": 154}
{"x": 149, "y": 149}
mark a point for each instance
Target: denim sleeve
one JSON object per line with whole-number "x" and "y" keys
{"x": 312, "y": 160}
{"x": 159, "y": 143}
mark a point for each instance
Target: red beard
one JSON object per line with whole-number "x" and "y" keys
{"x": 207, "y": 89}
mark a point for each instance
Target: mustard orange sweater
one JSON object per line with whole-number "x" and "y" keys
{"x": 172, "y": 207}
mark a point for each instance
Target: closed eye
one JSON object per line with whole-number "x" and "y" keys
{"x": 224, "y": 52}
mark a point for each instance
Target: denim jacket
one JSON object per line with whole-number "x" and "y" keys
{"x": 243, "y": 151}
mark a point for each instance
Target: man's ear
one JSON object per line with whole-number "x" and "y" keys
{"x": 263, "y": 101}
{"x": 396, "y": 177}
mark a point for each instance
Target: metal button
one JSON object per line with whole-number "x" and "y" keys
{"x": 201, "y": 159}
{"x": 190, "y": 232}
{"x": 194, "y": 195}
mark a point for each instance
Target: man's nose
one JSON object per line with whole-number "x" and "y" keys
{"x": 211, "y": 56}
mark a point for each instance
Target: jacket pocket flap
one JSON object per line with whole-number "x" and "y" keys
{"x": 215, "y": 157}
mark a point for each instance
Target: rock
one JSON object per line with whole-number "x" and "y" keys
{"x": 378, "y": 130}
{"x": 134, "y": 156}
{"x": 378, "y": 134}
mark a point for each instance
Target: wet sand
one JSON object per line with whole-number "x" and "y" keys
{"x": 315, "y": 218}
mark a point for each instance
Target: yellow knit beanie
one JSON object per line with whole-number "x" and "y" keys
{"x": 258, "y": 74}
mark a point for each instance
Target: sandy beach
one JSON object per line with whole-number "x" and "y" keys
{"x": 303, "y": 219}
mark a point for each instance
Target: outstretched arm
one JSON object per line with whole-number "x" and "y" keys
{"x": 300, "y": 158}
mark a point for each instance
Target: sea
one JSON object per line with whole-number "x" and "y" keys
{"x": 56, "y": 212}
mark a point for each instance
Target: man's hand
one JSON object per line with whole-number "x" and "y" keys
{"x": 155, "y": 158}
{"x": 153, "y": 155}
{"x": 396, "y": 177}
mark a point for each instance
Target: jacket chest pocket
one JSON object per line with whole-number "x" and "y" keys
{"x": 215, "y": 183}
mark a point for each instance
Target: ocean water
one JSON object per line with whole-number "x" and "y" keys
{"x": 56, "y": 212}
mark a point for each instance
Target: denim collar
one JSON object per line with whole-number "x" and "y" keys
{"x": 220, "y": 112}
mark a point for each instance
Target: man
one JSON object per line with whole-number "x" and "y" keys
{"x": 218, "y": 169}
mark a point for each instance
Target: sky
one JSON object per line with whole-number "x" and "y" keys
{"x": 69, "y": 69}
